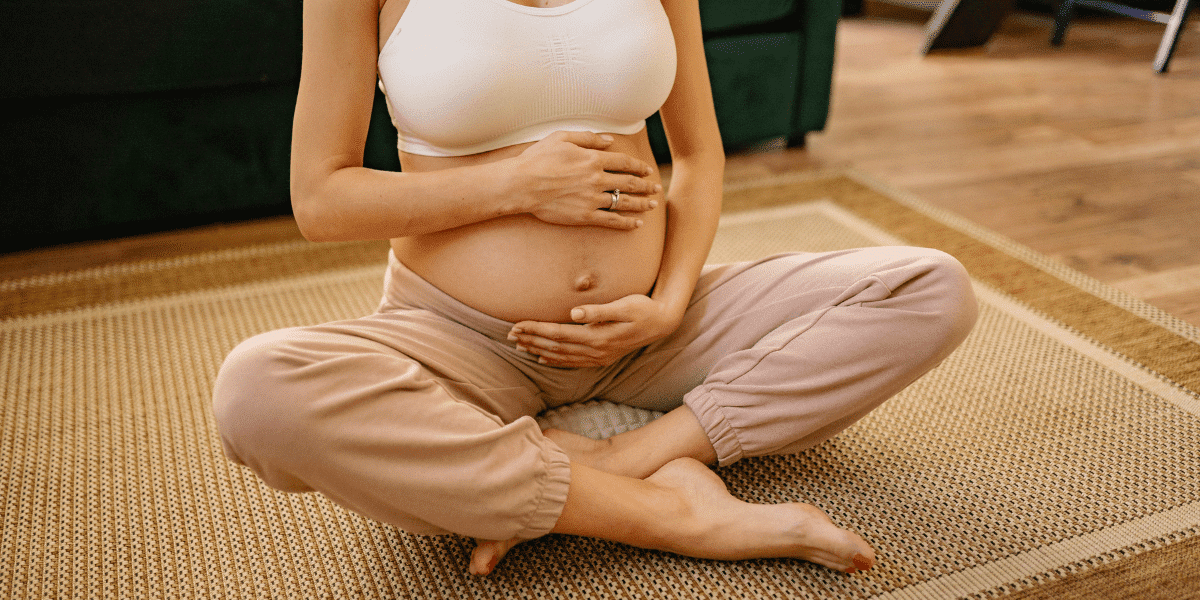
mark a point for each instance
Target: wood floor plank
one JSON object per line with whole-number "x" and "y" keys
{"x": 1081, "y": 152}
{"x": 1182, "y": 305}
{"x": 1171, "y": 281}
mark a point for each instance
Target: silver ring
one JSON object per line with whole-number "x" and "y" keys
{"x": 616, "y": 197}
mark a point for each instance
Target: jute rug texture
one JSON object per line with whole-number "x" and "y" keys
{"x": 1061, "y": 442}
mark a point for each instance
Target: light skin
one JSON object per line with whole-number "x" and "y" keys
{"x": 521, "y": 233}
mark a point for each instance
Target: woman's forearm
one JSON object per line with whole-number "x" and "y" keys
{"x": 560, "y": 179}
{"x": 694, "y": 198}
{"x": 356, "y": 203}
{"x": 693, "y": 210}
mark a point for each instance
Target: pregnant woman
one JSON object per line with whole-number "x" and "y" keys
{"x": 535, "y": 262}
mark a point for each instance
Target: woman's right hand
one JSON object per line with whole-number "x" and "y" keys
{"x": 567, "y": 178}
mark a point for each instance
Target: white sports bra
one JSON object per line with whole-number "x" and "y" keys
{"x": 467, "y": 76}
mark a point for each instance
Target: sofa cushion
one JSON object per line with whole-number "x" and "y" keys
{"x": 754, "y": 81}
{"x": 731, "y": 14}
{"x": 123, "y": 46}
{"x": 102, "y": 166}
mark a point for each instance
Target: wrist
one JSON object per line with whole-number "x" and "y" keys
{"x": 510, "y": 188}
{"x": 668, "y": 320}
{"x": 671, "y": 309}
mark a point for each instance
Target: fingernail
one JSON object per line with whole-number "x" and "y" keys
{"x": 512, "y": 337}
{"x": 522, "y": 348}
{"x": 657, "y": 188}
{"x": 607, "y": 138}
{"x": 654, "y": 204}
{"x": 861, "y": 562}
{"x": 577, "y": 314}
{"x": 638, "y": 223}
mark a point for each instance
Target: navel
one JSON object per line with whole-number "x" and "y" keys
{"x": 585, "y": 282}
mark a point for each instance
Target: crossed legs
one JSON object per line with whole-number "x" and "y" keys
{"x": 681, "y": 506}
{"x": 420, "y": 422}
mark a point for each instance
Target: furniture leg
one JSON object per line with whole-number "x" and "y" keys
{"x": 1066, "y": 10}
{"x": 1171, "y": 38}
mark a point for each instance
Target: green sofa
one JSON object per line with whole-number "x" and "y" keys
{"x": 142, "y": 115}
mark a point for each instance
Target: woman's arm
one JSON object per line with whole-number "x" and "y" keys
{"x": 698, "y": 159}
{"x": 603, "y": 333}
{"x": 560, "y": 179}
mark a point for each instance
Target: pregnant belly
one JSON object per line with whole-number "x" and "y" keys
{"x": 520, "y": 268}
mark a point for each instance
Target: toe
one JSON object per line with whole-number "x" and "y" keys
{"x": 862, "y": 563}
{"x": 483, "y": 559}
{"x": 487, "y": 555}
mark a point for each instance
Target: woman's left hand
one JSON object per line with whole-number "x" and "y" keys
{"x": 601, "y": 333}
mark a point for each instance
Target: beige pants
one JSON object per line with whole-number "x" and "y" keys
{"x": 422, "y": 414}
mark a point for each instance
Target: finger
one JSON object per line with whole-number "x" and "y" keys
{"x": 592, "y": 313}
{"x": 585, "y": 139}
{"x": 570, "y": 362}
{"x": 568, "y": 333}
{"x": 613, "y": 220}
{"x": 550, "y": 331}
{"x": 544, "y": 347}
{"x": 630, "y": 184}
{"x": 600, "y": 313}
{"x": 578, "y": 340}
{"x": 627, "y": 203}
{"x": 619, "y": 162}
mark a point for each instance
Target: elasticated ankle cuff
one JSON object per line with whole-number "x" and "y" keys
{"x": 553, "y": 483}
{"x": 720, "y": 432}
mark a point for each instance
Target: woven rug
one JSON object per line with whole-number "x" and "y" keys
{"x": 1055, "y": 454}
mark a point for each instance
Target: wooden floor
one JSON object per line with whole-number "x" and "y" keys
{"x": 1080, "y": 152}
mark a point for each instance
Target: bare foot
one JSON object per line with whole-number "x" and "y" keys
{"x": 487, "y": 555}
{"x": 722, "y": 527}
{"x": 686, "y": 509}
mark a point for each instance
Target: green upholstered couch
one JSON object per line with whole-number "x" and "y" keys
{"x": 127, "y": 116}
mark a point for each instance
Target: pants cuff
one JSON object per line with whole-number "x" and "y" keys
{"x": 720, "y": 432}
{"x": 555, "y": 482}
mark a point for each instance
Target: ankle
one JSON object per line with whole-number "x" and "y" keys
{"x": 621, "y": 458}
{"x": 643, "y": 451}
{"x": 672, "y": 525}
{"x": 617, "y": 455}
{"x": 582, "y": 449}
